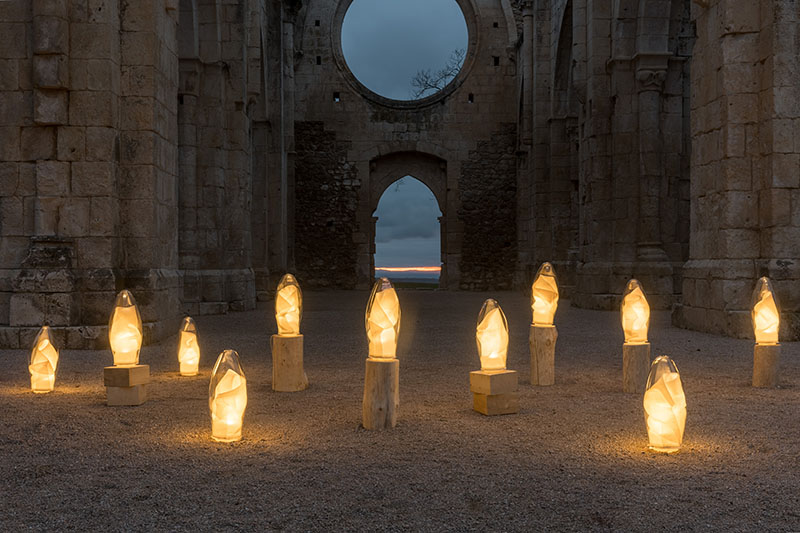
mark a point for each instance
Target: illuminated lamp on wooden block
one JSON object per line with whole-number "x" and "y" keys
{"x": 227, "y": 397}
{"x": 766, "y": 323}
{"x": 664, "y": 406}
{"x": 126, "y": 381}
{"x": 635, "y": 313}
{"x": 493, "y": 387}
{"x": 287, "y": 346}
{"x": 543, "y": 334}
{"x": 43, "y": 362}
{"x": 382, "y": 376}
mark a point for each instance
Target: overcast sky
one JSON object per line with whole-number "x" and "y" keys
{"x": 385, "y": 43}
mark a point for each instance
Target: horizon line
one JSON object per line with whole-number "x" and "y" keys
{"x": 410, "y": 269}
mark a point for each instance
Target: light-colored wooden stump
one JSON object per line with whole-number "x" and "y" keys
{"x": 496, "y": 404}
{"x": 542, "y": 342}
{"x": 287, "y": 364}
{"x": 126, "y": 385}
{"x": 136, "y": 395}
{"x": 126, "y": 376}
{"x": 381, "y": 393}
{"x": 635, "y": 367}
{"x": 766, "y": 358}
{"x": 494, "y": 392}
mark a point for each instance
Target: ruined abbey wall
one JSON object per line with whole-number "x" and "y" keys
{"x": 195, "y": 150}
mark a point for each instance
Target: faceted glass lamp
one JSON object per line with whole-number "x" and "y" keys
{"x": 382, "y": 320}
{"x": 227, "y": 397}
{"x": 188, "y": 348}
{"x": 766, "y": 318}
{"x": 288, "y": 306}
{"x": 125, "y": 330}
{"x": 492, "y": 336}
{"x": 635, "y": 314}
{"x": 43, "y": 362}
{"x": 664, "y": 406}
{"x": 544, "y": 296}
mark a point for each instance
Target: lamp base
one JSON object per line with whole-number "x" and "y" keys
{"x": 287, "y": 364}
{"x": 494, "y": 392}
{"x": 766, "y": 358}
{"x": 635, "y": 367}
{"x": 542, "y": 342}
{"x": 126, "y": 385}
{"x": 381, "y": 393}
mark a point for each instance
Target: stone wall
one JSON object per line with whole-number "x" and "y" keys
{"x": 745, "y": 165}
{"x": 488, "y": 212}
{"x": 326, "y": 253}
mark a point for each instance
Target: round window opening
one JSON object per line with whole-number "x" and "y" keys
{"x": 404, "y": 49}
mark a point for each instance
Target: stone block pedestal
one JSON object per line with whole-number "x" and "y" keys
{"x": 494, "y": 392}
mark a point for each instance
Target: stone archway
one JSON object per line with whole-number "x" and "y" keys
{"x": 387, "y": 169}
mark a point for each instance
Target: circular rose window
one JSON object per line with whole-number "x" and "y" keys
{"x": 404, "y": 49}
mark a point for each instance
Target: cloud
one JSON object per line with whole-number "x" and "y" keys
{"x": 407, "y": 231}
{"x": 385, "y": 42}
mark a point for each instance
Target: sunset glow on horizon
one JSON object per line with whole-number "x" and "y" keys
{"x": 410, "y": 269}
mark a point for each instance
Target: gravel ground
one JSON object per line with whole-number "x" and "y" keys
{"x": 574, "y": 458}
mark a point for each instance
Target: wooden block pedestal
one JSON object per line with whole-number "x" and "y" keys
{"x": 542, "y": 342}
{"x": 635, "y": 367}
{"x": 287, "y": 363}
{"x": 126, "y": 385}
{"x": 766, "y": 358}
{"x": 381, "y": 393}
{"x": 494, "y": 392}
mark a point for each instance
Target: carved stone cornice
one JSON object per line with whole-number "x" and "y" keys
{"x": 651, "y": 69}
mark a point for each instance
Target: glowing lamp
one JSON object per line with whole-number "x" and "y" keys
{"x": 125, "y": 330}
{"x": 635, "y": 314}
{"x": 766, "y": 318}
{"x": 188, "y": 348}
{"x": 492, "y": 336}
{"x": 288, "y": 306}
{"x": 227, "y": 397}
{"x": 383, "y": 320}
{"x": 43, "y": 362}
{"x": 664, "y": 406}
{"x": 544, "y": 296}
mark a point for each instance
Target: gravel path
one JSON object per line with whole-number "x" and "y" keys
{"x": 574, "y": 458}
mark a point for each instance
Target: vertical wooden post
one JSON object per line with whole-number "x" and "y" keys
{"x": 381, "y": 393}
{"x": 766, "y": 358}
{"x": 542, "y": 342}
{"x": 287, "y": 363}
{"x": 635, "y": 367}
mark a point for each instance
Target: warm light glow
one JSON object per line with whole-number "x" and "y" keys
{"x": 288, "y": 306}
{"x": 227, "y": 397}
{"x": 492, "y": 336}
{"x": 383, "y": 320}
{"x": 43, "y": 362}
{"x": 409, "y": 269}
{"x": 664, "y": 406}
{"x": 188, "y": 348}
{"x": 766, "y": 318}
{"x": 635, "y": 314}
{"x": 125, "y": 330}
{"x": 544, "y": 296}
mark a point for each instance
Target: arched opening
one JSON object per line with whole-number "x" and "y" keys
{"x": 408, "y": 235}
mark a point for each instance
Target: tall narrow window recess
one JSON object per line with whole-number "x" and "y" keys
{"x": 336, "y": 97}
{"x": 404, "y": 50}
{"x": 407, "y": 235}
{"x": 496, "y": 60}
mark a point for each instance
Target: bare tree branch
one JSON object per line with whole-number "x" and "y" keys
{"x": 425, "y": 82}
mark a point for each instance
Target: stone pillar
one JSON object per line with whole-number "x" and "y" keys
{"x": 745, "y": 166}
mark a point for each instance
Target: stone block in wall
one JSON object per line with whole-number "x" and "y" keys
{"x": 38, "y": 142}
{"x": 10, "y": 143}
{"x": 9, "y": 337}
{"x": 50, "y": 71}
{"x": 90, "y": 40}
{"x": 11, "y": 216}
{"x": 14, "y": 40}
{"x": 95, "y": 307}
{"x": 96, "y": 252}
{"x": 9, "y": 74}
{"x": 73, "y": 217}
{"x": 71, "y": 143}
{"x": 92, "y": 178}
{"x": 52, "y": 178}
{"x": 50, "y": 35}
{"x": 27, "y": 309}
{"x": 138, "y": 48}
{"x": 51, "y": 8}
{"x": 92, "y": 108}
{"x": 102, "y": 144}
{"x": 42, "y": 281}
{"x": 50, "y": 106}
{"x": 62, "y": 309}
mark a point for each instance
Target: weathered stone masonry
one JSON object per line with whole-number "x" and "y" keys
{"x": 195, "y": 150}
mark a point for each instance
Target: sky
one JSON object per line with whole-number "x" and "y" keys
{"x": 385, "y": 43}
